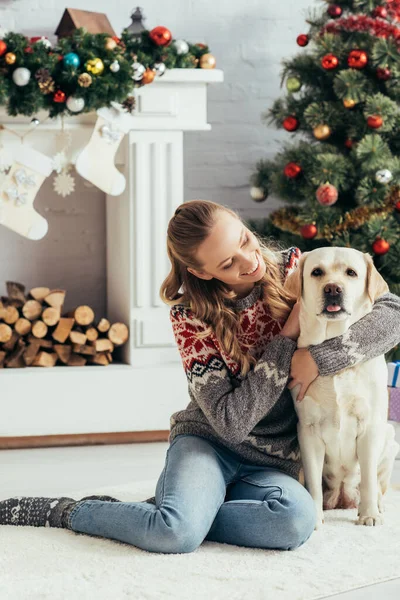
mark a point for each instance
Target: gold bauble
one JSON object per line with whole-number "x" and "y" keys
{"x": 85, "y": 80}
{"x": 349, "y": 103}
{"x": 10, "y": 58}
{"x": 95, "y": 66}
{"x": 207, "y": 61}
{"x": 110, "y": 44}
{"x": 322, "y": 132}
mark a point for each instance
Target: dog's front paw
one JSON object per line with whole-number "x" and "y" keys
{"x": 371, "y": 519}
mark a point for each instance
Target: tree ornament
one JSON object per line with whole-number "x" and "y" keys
{"x": 21, "y": 76}
{"x": 327, "y": 194}
{"x": 381, "y": 12}
{"x": 10, "y": 58}
{"x": 329, "y": 62}
{"x": 383, "y": 176}
{"x": 161, "y": 36}
{"x": 375, "y": 121}
{"x": 290, "y": 123}
{"x": 110, "y": 44}
{"x": 397, "y": 206}
{"x": 334, "y": 11}
{"x": 64, "y": 184}
{"x": 3, "y": 47}
{"x": 85, "y": 80}
{"x": 302, "y": 40}
{"x": 380, "y": 246}
{"x": 383, "y": 73}
{"x": 207, "y": 61}
{"x": 115, "y": 66}
{"x": 292, "y": 170}
{"x": 138, "y": 71}
{"x": 71, "y": 60}
{"x": 357, "y": 59}
{"x": 322, "y": 132}
{"x": 349, "y": 143}
{"x": 95, "y": 66}
{"x": 28, "y": 50}
{"x": 42, "y": 40}
{"x": 181, "y": 46}
{"x": 59, "y": 97}
{"x": 293, "y": 84}
{"x": 257, "y": 194}
{"x": 160, "y": 69}
{"x": 309, "y": 231}
{"x": 349, "y": 103}
{"x": 148, "y": 76}
{"x": 75, "y": 104}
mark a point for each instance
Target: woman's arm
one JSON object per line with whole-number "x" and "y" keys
{"x": 231, "y": 411}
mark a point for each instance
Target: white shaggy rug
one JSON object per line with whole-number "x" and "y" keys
{"x": 41, "y": 563}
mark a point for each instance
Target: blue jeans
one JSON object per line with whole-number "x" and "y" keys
{"x": 206, "y": 492}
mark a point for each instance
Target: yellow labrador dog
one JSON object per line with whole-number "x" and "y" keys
{"x": 347, "y": 446}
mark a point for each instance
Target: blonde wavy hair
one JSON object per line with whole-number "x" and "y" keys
{"x": 209, "y": 299}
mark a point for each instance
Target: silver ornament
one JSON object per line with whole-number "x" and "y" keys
{"x": 257, "y": 193}
{"x": 181, "y": 47}
{"x": 21, "y": 76}
{"x": 115, "y": 66}
{"x": 160, "y": 69}
{"x": 383, "y": 176}
{"x": 138, "y": 71}
{"x": 75, "y": 104}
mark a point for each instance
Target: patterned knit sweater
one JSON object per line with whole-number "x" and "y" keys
{"x": 254, "y": 415}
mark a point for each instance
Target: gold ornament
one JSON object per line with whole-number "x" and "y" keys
{"x": 110, "y": 44}
{"x": 85, "y": 79}
{"x": 95, "y": 66}
{"x": 207, "y": 61}
{"x": 10, "y": 58}
{"x": 46, "y": 87}
{"x": 322, "y": 132}
{"x": 349, "y": 103}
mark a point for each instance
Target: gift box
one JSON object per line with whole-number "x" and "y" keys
{"x": 394, "y": 404}
{"x": 394, "y": 373}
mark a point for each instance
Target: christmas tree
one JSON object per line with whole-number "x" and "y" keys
{"x": 341, "y": 179}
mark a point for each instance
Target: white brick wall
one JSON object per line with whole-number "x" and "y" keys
{"x": 249, "y": 40}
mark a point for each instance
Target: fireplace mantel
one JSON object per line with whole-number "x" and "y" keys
{"x": 141, "y": 393}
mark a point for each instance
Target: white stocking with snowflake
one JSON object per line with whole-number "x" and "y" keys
{"x": 96, "y": 161}
{"x": 18, "y": 190}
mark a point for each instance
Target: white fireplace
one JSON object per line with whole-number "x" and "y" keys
{"x": 140, "y": 393}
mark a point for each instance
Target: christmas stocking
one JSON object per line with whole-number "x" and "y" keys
{"x": 18, "y": 190}
{"x": 96, "y": 161}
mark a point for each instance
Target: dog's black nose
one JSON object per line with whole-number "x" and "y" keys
{"x": 333, "y": 289}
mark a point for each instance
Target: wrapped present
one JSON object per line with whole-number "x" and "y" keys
{"x": 394, "y": 373}
{"x": 394, "y": 404}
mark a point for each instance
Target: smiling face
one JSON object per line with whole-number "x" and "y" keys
{"x": 230, "y": 254}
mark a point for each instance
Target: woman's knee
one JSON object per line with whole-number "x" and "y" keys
{"x": 298, "y": 523}
{"x": 179, "y": 540}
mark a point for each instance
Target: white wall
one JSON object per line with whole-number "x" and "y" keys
{"x": 249, "y": 39}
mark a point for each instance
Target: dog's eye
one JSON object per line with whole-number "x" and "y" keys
{"x": 316, "y": 272}
{"x": 351, "y": 272}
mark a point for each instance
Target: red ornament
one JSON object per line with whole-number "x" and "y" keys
{"x": 302, "y": 39}
{"x": 291, "y": 123}
{"x": 28, "y": 50}
{"x": 357, "y": 59}
{"x": 161, "y": 36}
{"x": 380, "y": 246}
{"x": 201, "y": 45}
{"x": 334, "y": 11}
{"x": 309, "y": 231}
{"x": 381, "y": 12}
{"x": 329, "y": 62}
{"x": 375, "y": 121}
{"x": 327, "y": 194}
{"x": 383, "y": 73}
{"x": 116, "y": 39}
{"x": 397, "y": 206}
{"x": 3, "y": 47}
{"x": 59, "y": 96}
{"x": 292, "y": 170}
{"x": 349, "y": 143}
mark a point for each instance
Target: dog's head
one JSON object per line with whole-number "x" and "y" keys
{"x": 336, "y": 282}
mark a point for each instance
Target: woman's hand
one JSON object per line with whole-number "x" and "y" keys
{"x": 291, "y": 327}
{"x": 303, "y": 371}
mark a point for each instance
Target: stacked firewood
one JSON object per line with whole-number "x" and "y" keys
{"x": 34, "y": 331}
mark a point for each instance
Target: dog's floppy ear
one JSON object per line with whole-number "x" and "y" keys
{"x": 294, "y": 281}
{"x": 376, "y": 285}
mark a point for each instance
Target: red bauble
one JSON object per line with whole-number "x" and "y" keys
{"x": 381, "y": 12}
{"x": 380, "y": 246}
{"x": 357, "y": 59}
{"x": 327, "y": 194}
{"x": 302, "y": 39}
{"x": 349, "y": 143}
{"x": 397, "y": 206}
{"x": 292, "y": 170}
{"x": 161, "y": 36}
{"x": 3, "y": 47}
{"x": 309, "y": 231}
{"x": 116, "y": 39}
{"x": 383, "y": 73}
{"x": 334, "y": 11}
{"x": 59, "y": 96}
{"x": 291, "y": 123}
{"x": 329, "y": 61}
{"x": 375, "y": 121}
{"x": 28, "y": 50}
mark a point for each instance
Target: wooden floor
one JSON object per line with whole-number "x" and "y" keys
{"x": 28, "y": 472}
